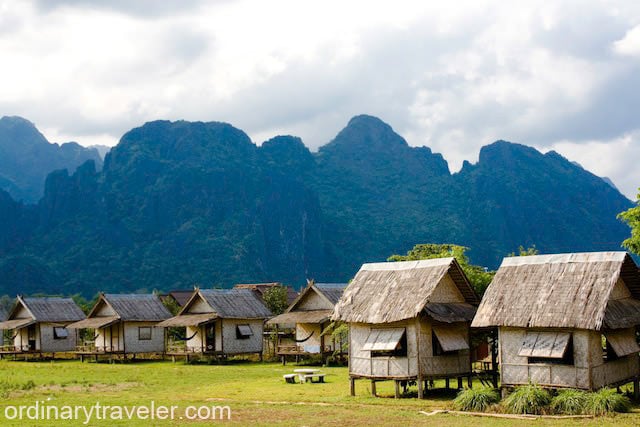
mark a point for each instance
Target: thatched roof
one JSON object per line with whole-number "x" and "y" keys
{"x": 561, "y": 291}
{"x": 312, "y": 316}
{"x": 49, "y": 309}
{"x": 94, "y": 322}
{"x": 331, "y": 291}
{"x": 136, "y": 307}
{"x": 393, "y": 291}
{"x": 230, "y": 303}
{"x": 188, "y": 320}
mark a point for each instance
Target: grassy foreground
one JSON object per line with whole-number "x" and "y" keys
{"x": 255, "y": 393}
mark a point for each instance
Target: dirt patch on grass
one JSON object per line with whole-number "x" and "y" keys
{"x": 84, "y": 388}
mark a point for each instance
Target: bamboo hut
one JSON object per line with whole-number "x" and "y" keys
{"x": 408, "y": 321}
{"x": 219, "y": 323}
{"x": 124, "y": 325}
{"x": 310, "y": 314}
{"x": 39, "y": 326}
{"x": 566, "y": 320}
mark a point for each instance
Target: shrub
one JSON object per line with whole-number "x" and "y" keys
{"x": 477, "y": 400}
{"x": 529, "y": 399}
{"x": 570, "y": 402}
{"x": 607, "y": 401}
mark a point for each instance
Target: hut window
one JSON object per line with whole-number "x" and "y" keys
{"x": 243, "y": 332}
{"x": 547, "y": 348}
{"x": 620, "y": 344}
{"x": 60, "y": 333}
{"x": 386, "y": 342}
{"x": 448, "y": 340}
{"x": 144, "y": 333}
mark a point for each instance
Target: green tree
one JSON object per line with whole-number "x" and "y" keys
{"x": 532, "y": 250}
{"x": 276, "y": 299}
{"x": 478, "y": 276}
{"x": 632, "y": 218}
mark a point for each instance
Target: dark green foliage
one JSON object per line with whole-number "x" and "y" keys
{"x": 178, "y": 203}
{"x": 528, "y": 399}
{"x": 26, "y": 158}
{"x": 570, "y": 402}
{"x": 478, "y": 276}
{"x": 607, "y": 401}
{"x": 632, "y": 218}
{"x": 275, "y": 298}
{"x": 476, "y": 400}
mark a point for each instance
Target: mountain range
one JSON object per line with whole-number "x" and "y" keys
{"x": 183, "y": 203}
{"x": 26, "y": 157}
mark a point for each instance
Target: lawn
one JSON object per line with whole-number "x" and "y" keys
{"x": 255, "y": 393}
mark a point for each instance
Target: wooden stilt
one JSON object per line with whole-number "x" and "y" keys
{"x": 446, "y": 383}
{"x": 459, "y": 383}
{"x": 420, "y": 388}
{"x": 352, "y": 386}
{"x": 470, "y": 381}
{"x": 397, "y": 389}
{"x": 373, "y": 388}
{"x": 636, "y": 388}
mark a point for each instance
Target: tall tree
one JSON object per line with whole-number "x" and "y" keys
{"x": 632, "y": 218}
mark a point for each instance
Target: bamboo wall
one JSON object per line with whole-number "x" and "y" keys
{"x": 589, "y": 371}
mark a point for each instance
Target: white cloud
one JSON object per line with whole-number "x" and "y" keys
{"x": 630, "y": 44}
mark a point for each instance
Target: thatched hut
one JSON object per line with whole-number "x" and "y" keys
{"x": 310, "y": 314}
{"x": 39, "y": 325}
{"x": 219, "y": 323}
{"x": 565, "y": 320}
{"x": 124, "y": 324}
{"x": 408, "y": 321}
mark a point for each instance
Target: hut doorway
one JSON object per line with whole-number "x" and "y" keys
{"x": 210, "y": 336}
{"x": 31, "y": 337}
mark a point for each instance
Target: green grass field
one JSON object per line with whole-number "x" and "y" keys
{"x": 255, "y": 393}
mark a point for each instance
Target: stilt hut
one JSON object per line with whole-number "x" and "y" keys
{"x": 39, "y": 325}
{"x": 566, "y": 320}
{"x": 219, "y": 323}
{"x": 310, "y": 314}
{"x": 408, "y": 321}
{"x": 124, "y": 324}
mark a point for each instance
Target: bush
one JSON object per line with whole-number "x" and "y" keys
{"x": 570, "y": 402}
{"x": 529, "y": 399}
{"x": 477, "y": 400}
{"x": 607, "y": 401}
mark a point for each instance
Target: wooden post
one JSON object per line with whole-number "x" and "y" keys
{"x": 352, "y": 385}
{"x": 494, "y": 357}
{"x": 397, "y": 388}
{"x": 470, "y": 381}
{"x": 373, "y": 388}
{"x": 446, "y": 383}
{"x": 459, "y": 383}
{"x": 420, "y": 388}
{"x": 636, "y": 388}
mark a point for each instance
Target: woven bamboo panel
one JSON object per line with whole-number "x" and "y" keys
{"x": 360, "y": 366}
{"x": 565, "y": 376}
{"x": 510, "y": 344}
{"x": 512, "y": 374}
{"x": 540, "y": 374}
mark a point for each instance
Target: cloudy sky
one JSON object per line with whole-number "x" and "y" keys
{"x": 562, "y": 75}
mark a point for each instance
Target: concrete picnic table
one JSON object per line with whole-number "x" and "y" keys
{"x": 302, "y": 372}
